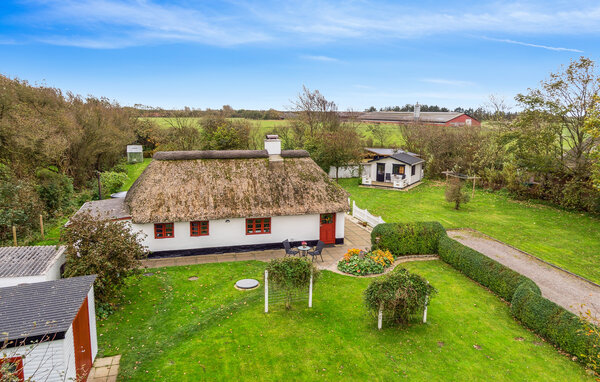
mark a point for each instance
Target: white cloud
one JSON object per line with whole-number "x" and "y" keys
{"x": 120, "y": 23}
{"x": 558, "y": 49}
{"x": 319, "y": 58}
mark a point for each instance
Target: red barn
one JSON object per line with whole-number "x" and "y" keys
{"x": 444, "y": 118}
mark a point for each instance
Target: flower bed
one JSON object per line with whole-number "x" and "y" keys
{"x": 361, "y": 263}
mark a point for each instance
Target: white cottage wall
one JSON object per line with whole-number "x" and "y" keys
{"x": 233, "y": 233}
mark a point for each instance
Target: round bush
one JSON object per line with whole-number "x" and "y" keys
{"x": 399, "y": 293}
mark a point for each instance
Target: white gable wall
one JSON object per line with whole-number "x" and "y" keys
{"x": 233, "y": 233}
{"x": 44, "y": 361}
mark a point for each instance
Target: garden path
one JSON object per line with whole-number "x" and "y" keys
{"x": 565, "y": 289}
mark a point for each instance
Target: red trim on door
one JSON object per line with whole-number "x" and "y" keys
{"x": 327, "y": 228}
{"x": 82, "y": 342}
{"x": 18, "y": 368}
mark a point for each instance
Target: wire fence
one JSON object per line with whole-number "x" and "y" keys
{"x": 278, "y": 296}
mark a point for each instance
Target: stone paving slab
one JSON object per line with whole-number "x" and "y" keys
{"x": 356, "y": 236}
{"x": 105, "y": 369}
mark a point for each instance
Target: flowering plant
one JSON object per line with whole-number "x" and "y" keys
{"x": 359, "y": 263}
{"x": 304, "y": 243}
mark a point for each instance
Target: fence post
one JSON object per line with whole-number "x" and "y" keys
{"x": 380, "y": 317}
{"x": 425, "y": 311}
{"x": 42, "y": 225}
{"x": 14, "y": 229}
{"x": 353, "y": 207}
{"x": 266, "y": 291}
{"x": 310, "y": 286}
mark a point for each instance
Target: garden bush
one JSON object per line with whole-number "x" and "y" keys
{"x": 559, "y": 326}
{"x": 400, "y": 294}
{"x": 407, "y": 238}
{"x": 54, "y": 189}
{"x": 361, "y": 263}
{"x": 291, "y": 274}
{"x": 501, "y": 280}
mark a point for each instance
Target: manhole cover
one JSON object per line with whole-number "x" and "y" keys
{"x": 246, "y": 284}
{"x": 193, "y": 278}
{"x": 148, "y": 274}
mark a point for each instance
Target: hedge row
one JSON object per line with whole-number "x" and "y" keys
{"x": 556, "y": 324}
{"x": 407, "y": 239}
{"x": 499, "y": 279}
{"x": 553, "y": 322}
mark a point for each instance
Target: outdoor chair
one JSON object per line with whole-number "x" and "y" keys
{"x": 288, "y": 248}
{"x": 318, "y": 251}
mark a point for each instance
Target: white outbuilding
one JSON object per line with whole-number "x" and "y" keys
{"x": 48, "y": 330}
{"x": 20, "y": 265}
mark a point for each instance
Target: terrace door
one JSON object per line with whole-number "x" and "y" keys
{"x": 82, "y": 342}
{"x": 327, "y": 229}
{"x": 380, "y": 172}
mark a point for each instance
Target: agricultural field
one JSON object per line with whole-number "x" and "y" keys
{"x": 171, "y": 329}
{"x": 568, "y": 239}
{"x": 268, "y": 126}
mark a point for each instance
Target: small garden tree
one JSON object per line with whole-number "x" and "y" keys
{"x": 103, "y": 247}
{"x": 455, "y": 194}
{"x": 399, "y": 294}
{"x": 291, "y": 274}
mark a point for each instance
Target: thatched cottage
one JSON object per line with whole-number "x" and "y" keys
{"x": 196, "y": 202}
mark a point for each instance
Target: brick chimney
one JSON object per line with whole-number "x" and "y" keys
{"x": 417, "y": 112}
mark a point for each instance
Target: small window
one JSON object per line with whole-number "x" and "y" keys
{"x": 398, "y": 169}
{"x": 11, "y": 369}
{"x": 199, "y": 228}
{"x": 164, "y": 231}
{"x": 258, "y": 226}
{"x": 413, "y": 170}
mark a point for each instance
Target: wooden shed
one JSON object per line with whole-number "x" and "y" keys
{"x": 48, "y": 329}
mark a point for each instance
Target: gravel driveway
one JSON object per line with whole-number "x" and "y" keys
{"x": 559, "y": 286}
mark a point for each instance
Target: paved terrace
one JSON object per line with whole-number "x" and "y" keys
{"x": 356, "y": 236}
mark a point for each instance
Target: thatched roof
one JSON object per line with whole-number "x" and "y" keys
{"x": 186, "y": 186}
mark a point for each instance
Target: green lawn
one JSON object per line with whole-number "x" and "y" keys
{"x": 568, "y": 239}
{"x": 133, "y": 172}
{"x": 172, "y": 329}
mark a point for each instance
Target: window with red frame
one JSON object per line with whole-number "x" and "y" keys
{"x": 11, "y": 369}
{"x": 258, "y": 226}
{"x": 164, "y": 231}
{"x": 199, "y": 228}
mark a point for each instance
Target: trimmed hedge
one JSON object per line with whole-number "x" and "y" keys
{"x": 501, "y": 280}
{"x": 549, "y": 320}
{"x": 407, "y": 239}
{"x": 553, "y": 322}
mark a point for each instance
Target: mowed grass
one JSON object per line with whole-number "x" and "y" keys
{"x": 172, "y": 329}
{"x": 134, "y": 170}
{"x": 568, "y": 239}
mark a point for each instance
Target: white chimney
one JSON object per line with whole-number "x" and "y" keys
{"x": 273, "y": 144}
{"x": 417, "y": 111}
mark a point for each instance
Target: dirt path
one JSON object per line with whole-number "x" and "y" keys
{"x": 559, "y": 286}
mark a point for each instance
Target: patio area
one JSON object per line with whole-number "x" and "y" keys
{"x": 356, "y": 236}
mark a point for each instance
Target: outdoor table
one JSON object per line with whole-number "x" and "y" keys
{"x": 303, "y": 249}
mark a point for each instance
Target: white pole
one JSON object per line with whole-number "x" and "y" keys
{"x": 380, "y": 317}
{"x": 310, "y": 290}
{"x": 266, "y": 291}
{"x": 353, "y": 207}
{"x": 425, "y": 311}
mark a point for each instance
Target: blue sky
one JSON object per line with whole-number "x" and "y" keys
{"x": 259, "y": 54}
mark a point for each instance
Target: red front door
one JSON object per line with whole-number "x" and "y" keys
{"x": 327, "y": 229}
{"x": 82, "y": 342}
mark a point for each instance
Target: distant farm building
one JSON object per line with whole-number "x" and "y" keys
{"x": 442, "y": 118}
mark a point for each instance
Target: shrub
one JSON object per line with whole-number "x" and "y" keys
{"x": 408, "y": 238}
{"x": 54, "y": 189}
{"x": 454, "y": 193}
{"x": 554, "y": 323}
{"x": 291, "y": 274}
{"x": 109, "y": 249}
{"x": 111, "y": 183}
{"x": 399, "y": 293}
{"x": 501, "y": 280}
